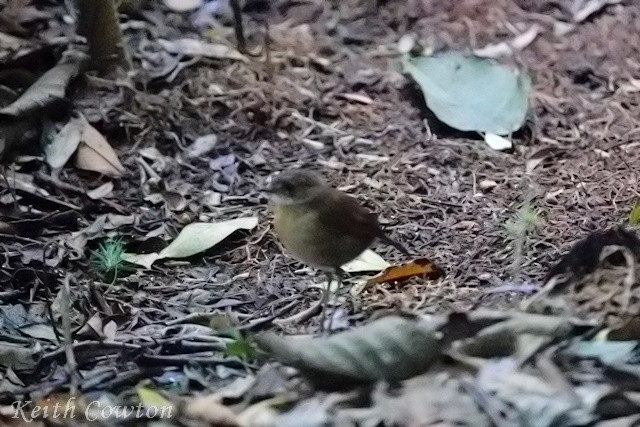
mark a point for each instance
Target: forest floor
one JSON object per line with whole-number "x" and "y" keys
{"x": 331, "y": 97}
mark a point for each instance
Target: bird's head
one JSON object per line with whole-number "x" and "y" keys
{"x": 295, "y": 186}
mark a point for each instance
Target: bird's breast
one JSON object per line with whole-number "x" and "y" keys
{"x": 313, "y": 241}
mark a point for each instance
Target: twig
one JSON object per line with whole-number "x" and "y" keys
{"x": 321, "y": 125}
{"x": 191, "y": 318}
{"x": 47, "y": 292}
{"x": 20, "y": 238}
{"x": 54, "y": 179}
{"x": 237, "y": 26}
{"x": 65, "y": 308}
{"x": 97, "y": 345}
{"x": 301, "y": 316}
{"x": 630, "y": 277}
{"x": 34, "y": 191}
{"x": 205, "y": 357}
{"x": 489, "y": 405}
{"x": 3, "y": 172}
{"x": 122, "y": 378}
{"x": 267, "y": 49}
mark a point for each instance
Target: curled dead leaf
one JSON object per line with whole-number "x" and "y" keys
{"x": 209, "y": 410}
{"x": 421, "y": 267}
{"x": 95, "y": 154}
{"x": 62, "y": 146}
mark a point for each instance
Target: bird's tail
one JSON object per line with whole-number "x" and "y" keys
{"x": 389, "y": 241}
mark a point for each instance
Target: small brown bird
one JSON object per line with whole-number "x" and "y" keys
{"x": 322, "y": 226}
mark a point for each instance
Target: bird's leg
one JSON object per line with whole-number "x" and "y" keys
{"x": 339, "y": 278}
{"x": 325, "y": 300}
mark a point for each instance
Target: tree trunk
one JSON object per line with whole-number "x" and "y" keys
{"x": 98, "y": 22}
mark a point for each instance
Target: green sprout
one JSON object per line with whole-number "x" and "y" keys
{"x": 526, "y": 221}
{"x": 242, "y": 347}
{"x": 634, "y": 215}
{"x": 107, "y": 259}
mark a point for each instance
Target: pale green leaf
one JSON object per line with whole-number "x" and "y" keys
{"x": 634, "y": 215}
{"x": 470, "y": 93}
{"x": 200, "y": 236}
{"x": 366, "y": 261}
{"x": 151, "y": 398}
{"x": 608, "y": 352}
{"x": 193, "y": 239}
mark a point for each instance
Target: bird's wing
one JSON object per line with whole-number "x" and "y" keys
{"x": 344, "y": 214}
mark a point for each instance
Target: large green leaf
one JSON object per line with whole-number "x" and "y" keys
{"x": 392, "y": 348}
{"x": 470, "y": 93}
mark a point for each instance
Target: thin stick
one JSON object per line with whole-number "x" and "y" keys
{"x": 301, "y": 316}
{"x": 237, "y": 25}
{"x": 47, "y": 291}
{"x": 630, "y": 278}
{"x": 267, "y": 48}
{"x": 3, "y": 172}
{"x": 526, "y": 304}
{"x": 65, "y": 308}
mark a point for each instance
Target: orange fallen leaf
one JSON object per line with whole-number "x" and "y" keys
{"x": 420, "y": 267}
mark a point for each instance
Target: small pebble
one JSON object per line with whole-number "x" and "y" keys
{"x": 485, "y": 277}
{"x": 487, "y": 184}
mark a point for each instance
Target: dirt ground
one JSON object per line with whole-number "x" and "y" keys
{"x": 332, "y": 97}
{"x": 444, "y": 195}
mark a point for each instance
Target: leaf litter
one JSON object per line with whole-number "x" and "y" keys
{"x": 331, "y": 96}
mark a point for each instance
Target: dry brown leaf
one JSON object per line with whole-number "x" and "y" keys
{"x": 65, "y": 143}
{"x": 92, "y": 329}
{"x": 175, "y": 201}
{"x": 100, "y": 192}
{"x": 210, "y": 410}
{"x": 183, "y": 5}
{"x": 196, "y": 47}
{"x": 19, "y": 357}
{"x": 95, "y": 154}
{"x": 8, "y": 418}
{"x": 51, "y": 86}
{"x": 421, "y": 267}
{"x": 66, "y": 405}
{"x": 509, "y": 47}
